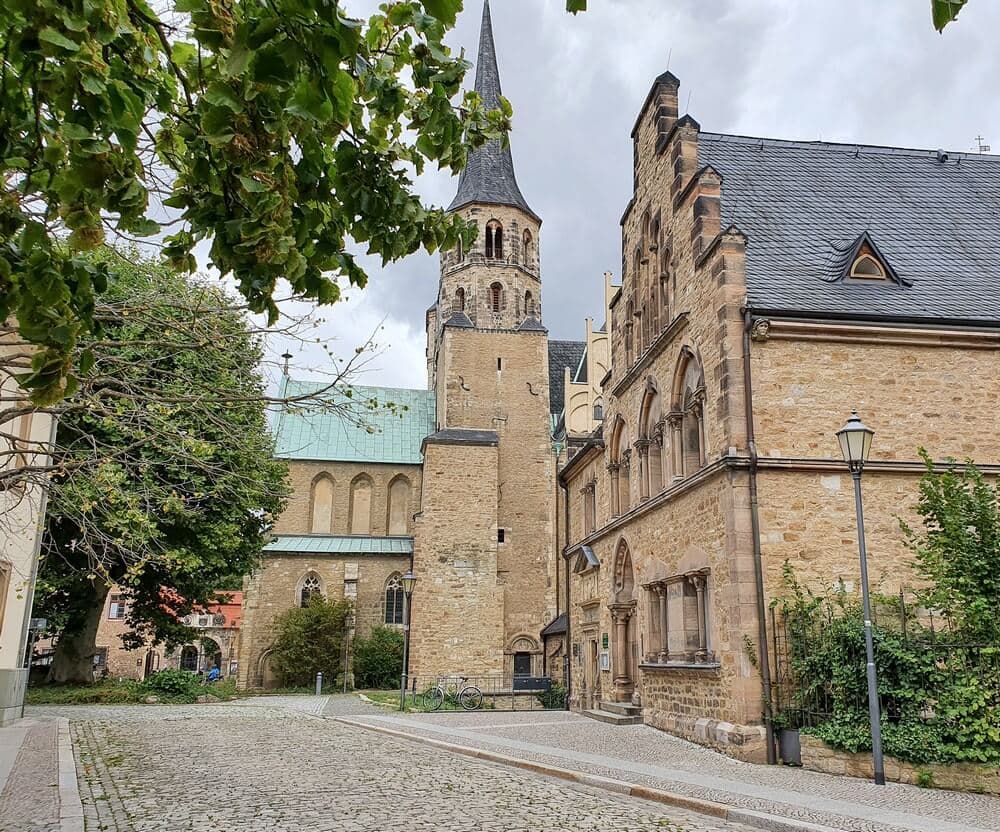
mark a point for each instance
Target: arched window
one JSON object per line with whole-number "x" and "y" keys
{"x": 688, "y": 417}
{"x": 665, "y": 283}
{"x": 619, "y": 469}
{"x": 189, "y": 658}
{"x": 309, "y": 587}
{"x": 529, "y": 304}
{"x": 651, "y": 433}
{"x": 461, "y": 250}
{"x": 361, "y": 505}
{"x": 394, "y": 599}
{"x": 494, "y": 240}
{"x": 654, "y": 311}
{"x": 321, "y": 505}
{"x": 867, "y": 267}
{"x": 496, "y": 297}
{"x": 458, "y": 305}
{"x": 526, "y": 243}
{"x": 399, "y": 506}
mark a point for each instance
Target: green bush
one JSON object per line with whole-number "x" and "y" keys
{"x": 310, "y": 640}
{"x": 554, "y": 698}
{"x": 378, "y": 659}
{"x": 174, "y": 683}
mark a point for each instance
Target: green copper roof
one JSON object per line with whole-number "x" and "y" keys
{"x": 372, "y": 424}
{"x": 326, "y": 544}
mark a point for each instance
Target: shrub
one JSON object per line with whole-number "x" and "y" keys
{"x": 554, "y": 698}
{"x": 178, "y": 684}
{"x": 310, "y": 640}
{"x": 378, "y": 659}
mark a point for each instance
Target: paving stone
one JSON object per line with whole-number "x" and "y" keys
{"x": 254, "y": 766}
{"x": 30, "y": 798}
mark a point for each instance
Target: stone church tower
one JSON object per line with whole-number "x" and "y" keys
{"x": 484, "y": 541}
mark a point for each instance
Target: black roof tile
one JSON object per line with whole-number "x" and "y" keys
{"x": 562, "y": 354}
{"x": 935, "y": 219}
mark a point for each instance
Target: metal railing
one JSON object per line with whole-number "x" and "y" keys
{"x": 495, "y": 693}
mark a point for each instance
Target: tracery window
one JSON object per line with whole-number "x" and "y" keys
{"x": 310, "y": 587}
{"x": 394, "y": 599}
{"x": 494, "y": 240}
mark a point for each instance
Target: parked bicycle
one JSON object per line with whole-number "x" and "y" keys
{"x": 468, "y": 696}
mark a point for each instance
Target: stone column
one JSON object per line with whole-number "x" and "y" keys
{"x": 675, "y": 421}
{"x": 625, "y": 479}
{"x": 620, "y": 615}
{"x": 613, "y": 482}
{"x": 642, "y": 450}
{"x": 699, "y": 588}
{"x": 661, "y": 592}
{"x": 699, "y": 415}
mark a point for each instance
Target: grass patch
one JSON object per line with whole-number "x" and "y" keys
{"x": 177, "y": 690}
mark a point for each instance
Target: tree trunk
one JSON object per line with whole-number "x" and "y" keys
{"x": 74, "y": 655}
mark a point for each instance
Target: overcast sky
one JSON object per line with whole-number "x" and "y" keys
{"x": 833, "y": 70}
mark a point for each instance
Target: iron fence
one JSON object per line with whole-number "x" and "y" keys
{"x": 495, "y": 693}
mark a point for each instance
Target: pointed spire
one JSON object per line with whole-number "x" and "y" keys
{"x": 489, "y": 175}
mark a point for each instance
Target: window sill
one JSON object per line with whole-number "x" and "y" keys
{"x": 707, "y": 667}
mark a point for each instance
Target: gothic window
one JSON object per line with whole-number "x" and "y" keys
{"x": 321, "y": 505}
{"x": 688, "y": 416}
{"x": 394, "y": 599}
{"x": 526, "y": 243}
{"x": 529, "y": 304}
{"x": 399, "y": 506}
{"x": 650, "y": 432}
{"x": 458, "y": 305}
{"x": 496, "y": 297}
{"x": 654, "y": 312}
{"x": 189, "y": 658}
{"x": 361, "y": 505}
{"x": 619, "y": 469}
{"x": 665, "y": 284}
{"x": 494, "y": 240}
{"x": 309, "y": 588}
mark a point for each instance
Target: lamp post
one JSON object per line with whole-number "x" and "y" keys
{"x": 409, "y": 580}
{"x": 855, "y": 443}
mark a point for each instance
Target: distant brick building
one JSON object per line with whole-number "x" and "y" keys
{"x": 215, "y": 645}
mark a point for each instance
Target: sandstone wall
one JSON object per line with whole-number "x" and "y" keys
{"x": 457, "y": 616}
{"x": 296, "y": 519}
{"x": 274, "y": 588}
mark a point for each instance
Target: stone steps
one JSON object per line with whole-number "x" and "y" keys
{"x": 613, "y": 719}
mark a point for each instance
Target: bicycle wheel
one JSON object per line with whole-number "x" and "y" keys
{"x": 471, "y": 698}
{"x": 433, "y": 698}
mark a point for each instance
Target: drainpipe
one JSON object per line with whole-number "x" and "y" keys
{"x": 758, "y": 569}
{"x": 569, "y": 645}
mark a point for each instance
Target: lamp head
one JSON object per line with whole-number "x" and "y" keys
{"x": 855, "y": 442}
{"x": 409, "y": 580}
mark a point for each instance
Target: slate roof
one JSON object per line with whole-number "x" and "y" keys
{"x": 359, "y": 428}
{"x": 556, "y": 626}
{"x": 562, "y": 354}
{"x": 326, "y": 544}
{"x": 488, "y": 176}
{"x": 804, "y": 205}
{"x": 531, "y": 324}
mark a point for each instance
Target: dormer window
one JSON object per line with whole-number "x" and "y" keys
{"x": 867, "y": 267}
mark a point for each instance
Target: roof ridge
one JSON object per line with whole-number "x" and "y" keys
{"x": 819, "y": 143}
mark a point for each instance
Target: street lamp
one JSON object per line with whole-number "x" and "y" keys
{"x": 855, "y": 443}
{"x": 409, "y": 580}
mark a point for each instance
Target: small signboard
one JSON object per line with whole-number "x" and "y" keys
{"x": 604, "y": 641}
{"x": 605, "y": 660}
{"x": 38, "y": 624}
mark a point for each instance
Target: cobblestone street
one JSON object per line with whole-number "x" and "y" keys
{"x": 263, "y": 765}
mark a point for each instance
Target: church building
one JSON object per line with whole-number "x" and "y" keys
{"x": 456, "y": 482}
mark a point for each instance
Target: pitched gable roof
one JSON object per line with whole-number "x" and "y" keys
{"x": 936, "y": 218}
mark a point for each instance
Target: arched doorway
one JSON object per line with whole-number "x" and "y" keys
{"x": 625, "y": 652}
{"x": 267, "y": 675}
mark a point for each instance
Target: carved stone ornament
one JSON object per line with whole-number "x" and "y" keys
{"x": 760, "y": 330}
